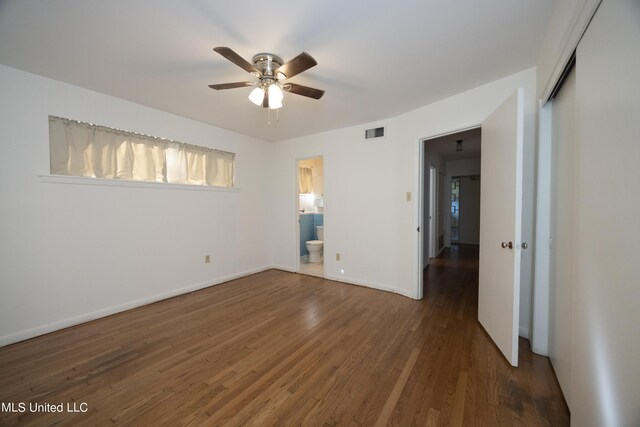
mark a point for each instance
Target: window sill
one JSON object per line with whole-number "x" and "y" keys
{"x": 82, "y": 180}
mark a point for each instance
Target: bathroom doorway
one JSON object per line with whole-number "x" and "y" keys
{"x": 310, "y": 215}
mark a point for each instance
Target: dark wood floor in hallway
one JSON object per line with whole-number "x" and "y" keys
{"x": 278, "y": 348}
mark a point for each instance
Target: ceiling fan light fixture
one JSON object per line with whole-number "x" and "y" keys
{"x": 257, "y": 96}
{"x": 275, "y": 95}
{"x": 274, "y": 105}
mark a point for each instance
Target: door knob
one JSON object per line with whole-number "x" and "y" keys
{"x": 524, "y": 245}
{"x": 507, "y": 245}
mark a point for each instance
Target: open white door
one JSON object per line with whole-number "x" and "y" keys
{"x": 501, "y": 224}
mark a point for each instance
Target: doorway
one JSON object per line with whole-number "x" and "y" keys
{"x": 450, "y": 161}
{"x": 310, "y": 216}
{"x": 501, "y": 216}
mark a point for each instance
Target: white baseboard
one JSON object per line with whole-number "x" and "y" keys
{"x": 404, "y": 293}
{"x": 373, "y": 285}
{"x": 108, "y": 311}
{"x": 86, "y": 317}
{"x": 523, "y": 332}
{"x": 283, "y": 268}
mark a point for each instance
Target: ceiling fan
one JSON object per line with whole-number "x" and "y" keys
{"x": 271, "y": 72}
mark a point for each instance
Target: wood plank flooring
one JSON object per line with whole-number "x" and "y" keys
{"x": 278, "y": 348}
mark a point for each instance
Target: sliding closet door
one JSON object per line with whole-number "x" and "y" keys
{"x": 606, "y": 304}
{"x": 563, "y": 210}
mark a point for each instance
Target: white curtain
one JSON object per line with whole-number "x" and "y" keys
{"x": 305, "y": 180}
{"x": 82, "y": 149}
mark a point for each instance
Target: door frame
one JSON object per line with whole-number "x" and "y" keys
{"x": 418, "y": 211}
{"x": 433, "y": 206}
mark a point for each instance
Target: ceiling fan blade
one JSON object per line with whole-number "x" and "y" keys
{"x": 303, "y": 90}
{"x": 300, "y": 63}
{"x": 230, "y": 85}
{"x": 237, "y": 59}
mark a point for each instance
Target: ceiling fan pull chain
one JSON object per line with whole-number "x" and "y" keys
{"x": 269, "y": 116}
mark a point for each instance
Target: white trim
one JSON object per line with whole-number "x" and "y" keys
{"x": 541, "y": 247}
{"x": 404, "y": 293}
{"x": 283, "y": 268}
{"x": 296, "y": 218}
{"x": 371, "y": 285}
{"x": 580, "y": 19}
{"x": 419, "y": 245}
{"x": 105, "y": 182}
{"x": 87, "y": 317}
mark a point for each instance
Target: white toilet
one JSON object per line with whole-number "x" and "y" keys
{"x": 315, "y": 246}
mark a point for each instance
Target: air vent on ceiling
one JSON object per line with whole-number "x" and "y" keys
{"x": 374, "y": 133}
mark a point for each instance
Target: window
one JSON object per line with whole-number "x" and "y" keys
{"x": 455, "y": 209}
{"x": 84, "y": 149}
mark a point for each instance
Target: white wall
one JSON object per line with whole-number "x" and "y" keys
{"x": 89, "y": 265}
{"x": 463, "y": 167}
{"x": 443, "y": 209}
{"x": 367, "y": 218}
{"x": 72, "y": 252}
{"x": 431, "y": 158}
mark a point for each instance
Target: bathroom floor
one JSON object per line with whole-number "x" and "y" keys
{"x": 311, "y": 268}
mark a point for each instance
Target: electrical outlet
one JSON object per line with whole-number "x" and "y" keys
{"x": 337, "y": 257}
{"x": 207, "y": 259}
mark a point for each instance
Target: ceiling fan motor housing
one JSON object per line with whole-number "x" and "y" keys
{"x": 267, "y": 63}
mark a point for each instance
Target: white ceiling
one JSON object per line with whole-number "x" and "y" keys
{"x": 376, "y": 58}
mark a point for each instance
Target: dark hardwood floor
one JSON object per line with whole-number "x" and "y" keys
{"x": 278, "y": 348}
